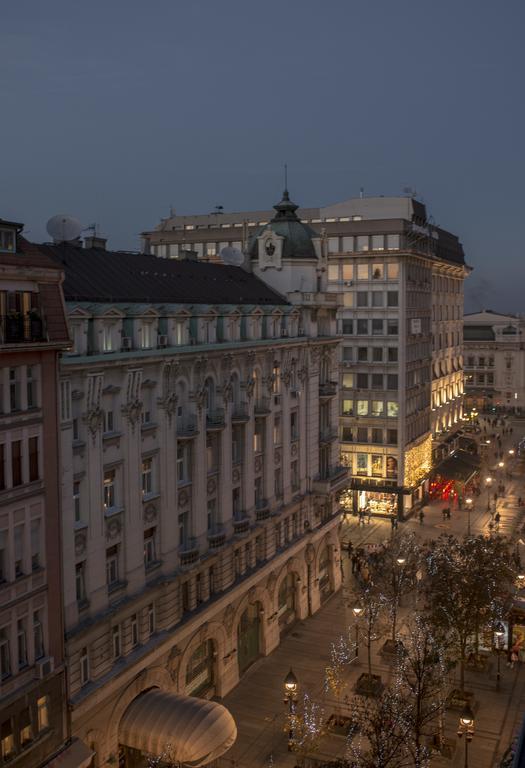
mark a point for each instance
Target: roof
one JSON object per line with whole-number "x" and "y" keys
{"x": 183, "y": 729}
{"x": 94, "y": 275}
{"x": 285, "y": 223}
{"x": 460, "y": 466}
{"x": 478, "y": 333}
{"x": 27, "y": 255}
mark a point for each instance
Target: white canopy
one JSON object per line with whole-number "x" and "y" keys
{"x": 184, "y": 729}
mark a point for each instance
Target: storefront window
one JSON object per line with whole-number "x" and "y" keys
{"x": 391, "y": 467}
{"x": 199, "y": 672}
{"x": 362, "y": 464}
{"x": 377, "y": 465}
{"x": 286, "y": 597}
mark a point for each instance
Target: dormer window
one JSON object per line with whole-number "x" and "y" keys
{"x": 107, "y": 338}
{"x": 147, "y": 336}
{"x": 7, "y": 240}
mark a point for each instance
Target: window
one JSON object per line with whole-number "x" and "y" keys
{"x": 7, "y": 740}
{"x": 347, "y": 354}
{"x": 35, "y": 544}
{"x": 377, "y": 381}
{"x": 76, "y": 431}
{"x": 362, "y": 435}
{"x": 333, "y": 271}
{"x": 236, "y": 503}
{"x": 258, "y": 486}
{"x": 278, "y": 483}
{"x": 200, "y": 669}
{"x": 80, "y": 581}
{"x": 362, "y": 298}
{"x": 147, "y": 336}
{"x": 33, "y": 459}
{"x": 392, "y": 270}
{"x": 347, "y": 435}
{"x": 2, "y": 466}
{"x": 362, "y": 380}
{"x": 377, "y": 354}
{"x": 295, "y": 475}
{"x": 14, "y": 389}
{"x": 211, "y": 513}
{"x": 258, "y": 437}
{"x": 151, "y": 618}
{"x": 109, "y": 489}
{"x": 112, "y": 576}
{"x": 348, "y": 269}
{"x": 377, "y": 298}
{"x": 16, "y": 463}
{"x": 378, "y": 407}
{"x": 362, "y": 407}
{"x": 392, "y": 299}
{"x": 7, "y": 240}
{"x": 391, "y": 436}
{"x": 362, "y": 245}
{"x": 377, "y": 436}
{"x": 348, "y": 326}
{"x": 377, "y": 465}
{"x": 42, "y": 713}
{"x": 116, "y": 641}
{"x": 19, "y": 551}
{"x": 362, "y": 327}
{"x": 26, "y": 729}
{"x": 294, "y": 425}
{"x": 333, "y": 245}
{"x": 348, "y": 380}
{"x": 5, "y": 654}
{"x": 392, "y": 243}
{"x": 392, "y": 354}
{"x": 147, "y": 476}
{"x": 109, "y": 423}
{"x": 377, "y": 327}
{"x": 348, "y": 407}
{"x": 134, "y": 630}
{"x": 392, "y": 409}
{"x": 31, "y": 387}
{"x": 378, "y": 244}
{"x": 38, "y": 636}
{"x": 21, "y": 643}
{"x": 362, "y": 354}
{"x": 277, "y": 437}
{"x": 150, "y": 553}
{"x": 76, "y": 500}
{"x": 84, "y": 666}
{"x": 107, "y": 338}
{"x": 183, "y": 462}
{"x": 362, "y": 271}
{"x": 391, "y": 381}
{"x": 392, "y": 327}
{"x": 362, "y": 464}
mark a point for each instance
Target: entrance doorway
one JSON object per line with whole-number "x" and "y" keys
{"x": 248, "y": 637}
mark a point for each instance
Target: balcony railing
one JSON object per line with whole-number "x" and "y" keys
{"x": 262, "y": 406}
{"x": 188, "y": 553}
{"x": 216, "y": 536}
{"x": 240, "y": 412}
{"x": 187, "y": 426}
{"x": 241, "y": 525}
{"x": 328, "y": 389}
{"x": 330, "y": 479}
{"x": 262, "y": 510}
{"x": 21, "y": 328}
{"x": 215, "y": 418}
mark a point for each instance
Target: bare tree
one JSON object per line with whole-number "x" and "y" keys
{"x": 381, "y": 732}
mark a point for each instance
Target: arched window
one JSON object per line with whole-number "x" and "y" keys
{"x": 325, "y": 586}
{"x": 209, "y": 386}
{"x": 286, "y": 595}
{"x": 200, "y": 670}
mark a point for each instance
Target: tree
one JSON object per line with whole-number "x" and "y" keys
{"x": 381, "y": 731}
{"x": 373, "y": 604}
{"x": 342, "y": 652}
{"x": 307, "y": 724}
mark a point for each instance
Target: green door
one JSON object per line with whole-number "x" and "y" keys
{"x": 248, "y": 637}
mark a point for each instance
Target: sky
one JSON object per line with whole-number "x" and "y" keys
{"x": 116, "y": 111}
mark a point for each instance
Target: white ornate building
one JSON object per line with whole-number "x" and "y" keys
{"x": 200, "y": 453}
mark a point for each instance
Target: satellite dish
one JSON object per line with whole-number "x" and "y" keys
{"x": 63, "y": 228}
{"x": 232, "y": 256}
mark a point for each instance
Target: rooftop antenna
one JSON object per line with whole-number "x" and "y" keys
{"x": 219, "y": 209}
{"x": 286, "y": 177}
{"x": 361, "y": 192}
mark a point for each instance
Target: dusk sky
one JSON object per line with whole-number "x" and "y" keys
{"x": 115, "y": 110}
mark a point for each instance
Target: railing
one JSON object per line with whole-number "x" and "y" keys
{"x": 186, "y": 426}
{"x": 328, "y": 389}
{"x": 216, "y": 536}
{"x": 215, "y": 418}
{"x": 188, "y": 552}
{"x": 240, "y": 412}
{"x": 262, "y": 405}
{"x": 242, "y": 525}
{"x": 21, "y": 328}
{"x": 262, "y": 510}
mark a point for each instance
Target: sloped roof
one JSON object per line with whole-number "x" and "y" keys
{"x": 94, "y": 274}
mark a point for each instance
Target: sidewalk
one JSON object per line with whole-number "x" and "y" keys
{"x": 257, "y": 703}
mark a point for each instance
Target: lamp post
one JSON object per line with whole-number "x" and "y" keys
{"x": 357, "y": 610}
{"x": 499, "y": 631}
{"x": 488, "y": 482}
{"x": 468, "y": 502}
{"x": 290, "y": 697}
{"x": 466, "y": 729}
{"x": 501, "y": 464}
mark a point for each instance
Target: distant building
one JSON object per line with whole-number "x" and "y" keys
{"x": 199, "y": 428}
{"x": 494, "y": 361}
{"x": 33, "y": 333}
{"x": 401, "y": 370}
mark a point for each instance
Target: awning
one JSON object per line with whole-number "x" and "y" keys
{"x": 77, "y": 755}
{"x": 459, "y": 466}
{"x": 184, "y": 729}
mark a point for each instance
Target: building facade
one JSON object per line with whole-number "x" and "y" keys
{"x": 200, "y": 477}
{"x": 494, "y": 361}
{"x": 33, "y": 332}
{"x": 401, "y": 373}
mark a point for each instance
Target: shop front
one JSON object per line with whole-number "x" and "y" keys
{"x": 454, "y": 478}
{"x": 377, "y": 499}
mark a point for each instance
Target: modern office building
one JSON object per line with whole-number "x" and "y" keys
{"x": 199, "y": 409}
{"x": 33, "y": 333}
{"x": 401, "y": 320}
{"x": 494, "y": 361}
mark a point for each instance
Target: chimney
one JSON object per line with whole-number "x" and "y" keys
{"x": 95, "y": 241}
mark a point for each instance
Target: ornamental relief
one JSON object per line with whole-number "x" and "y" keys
{"x": 258, "y": 463}
{"x": 113, "y": 529}
{"x": 227, "y": 619}
{"x": 80, "y": 543}
{"x": 294, "y": 449}
{"x": 183, "y": 498}
{"x": 150, "y": 513}
{"x": 211, "y": 486}
{"x": 93, "y": 420}
{"x": 277, "y": 456}
{"x": 236, "y": 475}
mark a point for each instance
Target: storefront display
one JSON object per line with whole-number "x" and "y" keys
{"x": 377, "y": 503}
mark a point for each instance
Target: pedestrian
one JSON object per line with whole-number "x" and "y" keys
{"x": 354, "y": 563}
{"x": 349, "y": 547}
{"x": 448, "y": 513}
{"x": 513, "y": 658}
{"x": 368, "y": 516}
{"x": 392, "y": 523}
{"x": 444, "y": 513}
{"x": 421, "y": 517}
{"x": 497, "y": 518}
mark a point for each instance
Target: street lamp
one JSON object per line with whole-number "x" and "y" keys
{"x": 511, "y": 451}
{"x": 499, "y": 631}
{"x": 468, "y": 502}
{"x": 488, "y": 481}
{"x": 357, "y": 610}
{"x": 466, "y": 728}
{"x": 290, "y": 697}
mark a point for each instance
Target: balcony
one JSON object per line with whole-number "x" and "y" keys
{"x": 215, "y": 419}
{"x": 328, "y": 482}
{"x": 262, "y": 509}
{"x": 262, "y": 406}
{"x": 216, "y": 537}
{"x": 18, "y": 328}
{"x": 240, "y": 413}
{"x": 187, "y": 426}
{"x": 328, "y": 434}
{"x": 241, "y": 525}
{"x": 188, "y": 553}
{"x": 328, "y": 389}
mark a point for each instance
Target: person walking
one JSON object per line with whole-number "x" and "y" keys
{"x": 421, "y": 517}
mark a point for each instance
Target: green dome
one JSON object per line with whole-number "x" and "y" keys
{"x": 297, "y": 236}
